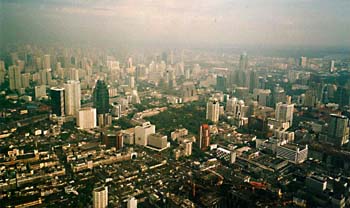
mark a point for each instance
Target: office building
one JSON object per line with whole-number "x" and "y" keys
{"x": 142, "y": 133}
{"x": 213, "y": 108}
{"x": 338, "y": 130}
{"x": 100, "y": 197}
{"x": 101, "y": 97}
{"x": 157, "y": 141}
{"x": 101, "y": 103}
{"x": 204, "y": 136}
{"x": 86, "y": 118}
{"x": 112, "y": 139}
{"x": 72, "y": 97}
{"x": 284, "y": 113}
{"x": 221, "y": 83}
{"x": 57, "y": 101}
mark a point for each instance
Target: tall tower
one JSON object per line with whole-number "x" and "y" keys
{"x": 101, "y": 97}
{"x": 57, "y": 101}
{"x": 101, "y": 103}
{"x": 204, "y": 136}
{"x": 284, "y": 112}
{"x": 100, "y": 197}
{"x": 243, "y": 62}
{"x": 46, "y": 62}
{"x": 15, "y": 78}
{"x": 72, "y": 97}
{"x": 213, "y": 108}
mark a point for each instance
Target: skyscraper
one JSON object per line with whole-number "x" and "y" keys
{"x": 101, "y": 97}
{"x": 100, "y": 197}
{"x": 2, "y": 72}
{"x": 72, "y": 97}
{"x": 213, "y": 108}
{"x": 15, "y": 78}
{"x": 243, "y": 62}
{"x": 57, "y": 101}
{"x": 284, "y": 113}
{"x": 338, "y": 130}
{"x": 204, "y": 136}
{"x": 46, "y": 62}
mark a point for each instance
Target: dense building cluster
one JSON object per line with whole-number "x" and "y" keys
{"x": 86, "y": 127}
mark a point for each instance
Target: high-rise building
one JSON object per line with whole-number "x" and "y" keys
{"x": 221, "y": 83}
{"x": 101, "y": 103}
{"x": 303, "y": 62}
{"x": 72, "y": 97}
{"x": 132, "y": 202}
{"x": 86, "y": 118}
{"x": 25, "y": 79}
{"x": 57, "y": 101}
{"x": 132, "y": 82}
{"x": 213, "y": 108}
{"x": 45, "y": 76}
{"x": 46, "y": 62}
{"x": 243, "y": 62}
{"x": 2, "y": 72}
{"x": 284, "y": 113}
{"x": 262, "y": 96}
{"x": 142, "y": 133}
{"x": 332, "y": 66}
{"x": 15, "y": 78}
{"x": 338, "y": 130}
{"x": 101, "y": 97}
{"x": 100, "y": 197}
{"x": 204, "y": 136}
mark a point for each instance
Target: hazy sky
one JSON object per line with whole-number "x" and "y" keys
{"x": 179, "y": 22}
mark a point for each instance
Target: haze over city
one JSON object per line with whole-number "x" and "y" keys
{"x": 179, "y": 23}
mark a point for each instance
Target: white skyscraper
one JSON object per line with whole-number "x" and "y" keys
{"x": 86, "y": 118}
{"x": 100, "y": 197}
{"x": 72, "y": 97}
{"x": 284, "y": 113}
{"x": 213, "y": 108}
